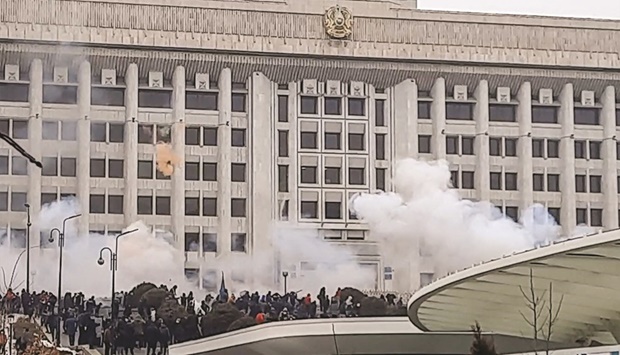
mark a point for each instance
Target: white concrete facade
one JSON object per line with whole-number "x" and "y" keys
{"x": 292, "y": 133}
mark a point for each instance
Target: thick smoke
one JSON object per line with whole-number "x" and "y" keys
{"x": 454, "y": 233}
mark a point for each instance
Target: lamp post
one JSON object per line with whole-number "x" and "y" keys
{"x": 113, "y": 267}
{"x": 11, "y": 319}
{"x": 28, "y": 224}
{"x": 285, "y": 275}
{"x": 61, "y": 244}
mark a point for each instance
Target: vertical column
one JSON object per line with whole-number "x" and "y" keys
{"x": 177, "y": 198}
{"x": 131, "y": 144}
{"x": 610, "y": 180}
{"x": 438, "y": 116}
{"x": 405, "y": 123}
{"x": 524, "y": 118}
{"x": 481, "y": 116}
{"x": 567, "y": 159}
{"x": 223, "y": 162}
{"x": 35, "y": 128}
{"x": 83, "y": 159}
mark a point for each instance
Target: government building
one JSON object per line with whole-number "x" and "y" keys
{"x": 281, "y": 110}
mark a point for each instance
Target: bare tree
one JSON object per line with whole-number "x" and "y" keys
{"x": 552, "y": 317}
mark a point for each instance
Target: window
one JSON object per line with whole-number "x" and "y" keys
{"x": 587, "y": 116}
{"x": 356, "y": 141}
{"x": 116, "y": 168}
{"x": 199, "y": 100}
{"x": 97, "y": 168}
{"x": 454, "y": 178}
{"x": 510, "y": 181}
{"x": 20, "y": 129}
{"x": 145, "y": 205}
{"x": 595, "y": 184}
{"x": 192, "y": 241}
{"x": 424, "y": 110}
{"x": 98, "y": 132}
{"x": 512, "y": 212}
{"x": 595, "y": 150}
{"x": 596, "y": 217}
{"x": 539, "y": 182}
{"x": 538, "y": 148}
{"x": 209, "y": 242}
{"x": 467, "y": 145}
{"x": 495, "y": 146}
{"x": 580, "y": 183}
{"x": 192, "y": 135}
{"x": 282, "y": 143}
{"x": 145, "y": 134}
{"x": 239, "y": 102}
{"x": 19, "y": 166}
{"x": 97, "y": 203}
{"x": 582, "y": 216}
{"x": 238, "y": 172}
{"x": 107, "y": 96}
{"x": 502, "y": 113}
{"x": 309, "y": 209}
{"x": 238, "y": 242}
{"x": 282, "y": 178}
{"x": 380, "y": 178}
{"x": 544, "y": 114}
{"x": 18, "y": 201}
{"x": 192, "y": 206}
{"x": 459, "y": 111}
{"x": 49, "y": 130}
{"x": 4, "y": 165}
{"x": 209, "y": 171}
{"x": 356, "y": 176}
{"x": 580, "y": 149}
{"x": 332, "y": 140}
{"x": 154, "y": 98}
{"x": 68, "y": 167}
{"x": 308, "y": 174}
{"x": 380, "y": 146}
{"x": 115, "y": 204}
{"x": 162, "y": 205}
{"x": 553, "y": 182}
{"x": 467, "y": 180}
{"x": 510, "y": 147}
{"x": 162, "y": 134}
{"x": 282, "y": 108}
{"x": 13, "y": 92}
{"x": 309, "y": 105}
{"x": 380, "y": 113}
{"x": 333, "y": 210}
{"x": 357, "y": 107}
{"x": 238, "y": 137}
{"x": 333, "y": 106}
{"x": 50, "y": 166}
{"x": 238, "y": 207}
{"x": 210, "y": 136}
{"x": 209, "y": 206}
{"x": 332, "y": 175}
{"x": 553, "y": 148}
{"x": 424, "y": 144}
{"x": 145, "y": 169}
{"x": 46, "y": 198}
{"x": 452, "y": 145}
{"x": 496, "y": 181}
{"x": 68, "y": 131}
{"x": 59, "y": 94}
{"x": 308, "y": 140}
{"x": 555, "y": 213}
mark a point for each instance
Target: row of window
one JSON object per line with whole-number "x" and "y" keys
{"x": 332, "y": 141}
{"x": 193, "y": 243}
{"x": 332, "y": 210}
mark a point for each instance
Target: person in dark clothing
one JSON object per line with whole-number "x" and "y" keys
{"x": 164, "y": 338}
{"x": 109, "y": 339}
{"x": 151, "y": 335}
{"x": 70, "y": 328}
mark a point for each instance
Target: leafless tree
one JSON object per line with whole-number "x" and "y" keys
{"x": 552, "y": 317}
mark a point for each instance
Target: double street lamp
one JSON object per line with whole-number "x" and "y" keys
{"x": 61, "y": 244}
{"x": 28, "y": 225}
{"x": 113, "y": 267}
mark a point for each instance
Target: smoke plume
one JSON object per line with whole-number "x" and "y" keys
{"x": 167, "y": 161}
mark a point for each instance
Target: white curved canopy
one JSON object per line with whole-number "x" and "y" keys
{"x": 584, "y": 273}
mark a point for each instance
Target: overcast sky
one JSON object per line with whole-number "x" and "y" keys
{"x": 572, "y": 8}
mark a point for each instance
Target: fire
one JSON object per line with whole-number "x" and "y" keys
{"x": 167, "y": 161}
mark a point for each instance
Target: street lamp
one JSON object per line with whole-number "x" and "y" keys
{"x": 285, "y": 275}
{"x": 61, "y": 244}
{"x": 113, "y": 267}
{"x": 28, "y": 224}
{"x": 11, "y": 319}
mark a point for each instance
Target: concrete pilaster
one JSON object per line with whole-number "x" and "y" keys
{"x": 83, "y": 159}
{"x": 481, "y": 148}
{"x": 405, "y": 127}
{"x": 610, "y": 181}
{"x": 177, "y": 196}
{"x": 35, "y": 130}
{"x": 223, "y": 163}
{"x": 524, "y": 146}
{"x": 131, "y": 144}
{"x": 438, "y": 116}
{"x": 567, "y": 159}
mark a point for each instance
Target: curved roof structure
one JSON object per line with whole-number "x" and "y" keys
{"x": 583, "y": 273}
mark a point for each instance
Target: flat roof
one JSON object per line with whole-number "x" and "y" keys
{"x": 585, "y": 271}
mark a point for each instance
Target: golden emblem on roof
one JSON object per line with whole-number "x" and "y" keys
{"x": 338, "y": 22}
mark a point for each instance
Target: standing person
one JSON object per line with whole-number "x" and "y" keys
{"x": 109, "y": 339}
{"x": 151, "y": 335}
{"x": 3, "y": 342}
{"x": 70, "y": 328}
{"x": 164, "y": 338}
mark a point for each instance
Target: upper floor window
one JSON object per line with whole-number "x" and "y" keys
{"x": 544, "y": 114}
{"x": 587, "y": 116}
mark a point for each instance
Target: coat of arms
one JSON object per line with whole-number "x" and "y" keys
{"x": 338, "y": 22}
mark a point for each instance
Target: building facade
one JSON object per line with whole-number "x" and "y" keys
{"x": 282, "y": 110}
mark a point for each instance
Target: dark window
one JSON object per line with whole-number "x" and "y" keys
{"x": 192, "y": 171}
{"x": 580, "y": 149}
{"x": 309, "y": 105}
{"x": 467, "y": 180}
{"x": 162, "y": 205}
{"x": 357, "y": 176}
{"x": 452, "y": 145}
{"x": 209, "y": 171}
{"x": 12, "y": 92}
{"x": 512, "y": 212}
{"x": 459, "y": 111}
{"x": 496, "y": 181}
{"x": 67, "y": 167}
{"x": 424, "y": 143}
{"x": 333, "y": 106}
{"x": 454, "y": 178}
{"x": 59, "y": 94}
{"x": 595, "y": 184}
{"x": 380, "y": 178}
{"x": 502, "y": 113}
{"x": 192, "y": 135}
{"x": 239, "y": 102}
{"x": 50, "y": 166}
{"x": 238, "y": 243}
{"x": 115, "y": 204}
{"x": 145, "y": 204}
{"x": 98, "y": 132}
{"x": 210, "y": 136}
{"x": 539, "y": 182}
{"x": 192, "y": 206}
{"x": 424, "y": 110}
{"x": 107, "y": 96}
{"x": 308, "y": 174}
{"x": 357, "y": 107}
{"x": 495, "y": 146}
{"x": 617, "y": 116}
{"x": 117, "y": 132}
{"x": 97, "y": 203}
{"x": 553, "y": 182}
{"x": 238, "y": 207}
{"x": 309, "y": 209}
{"x": 238, "y": 137}
{"x": 580, "y": 183}
{"x": 162, "y": 134}
{"x": 209, "y": 242}
{"x": 49, "y": 130}
{"x": 308, "y": 140}
{"x": 197, "y": 100}
{"x": 555, "y": 213}
{"x": 282, "y": 108}
{"x": 380, "y": 113}
{"x": 192, "y": 241}
{"x": 511, "y": 181}
{"x": 510, "y": 147}
{"x": 97, "y": 168}
{"x": 596, "y": 217}
{"x": 145, "y": 134}
{"x": 18, "y": 238}
{"x": 333, "y": 210}
{"x": 595, "y": 150}
{"x": 19, "y": 166}
{"x": 145, "y": 169}
{"x": 154, "y": 98}
{"x": 282, "y": 178}
{"x": 46, "y": 198}
{"x": 356, "y": 141}
{"x": 209, "y": 206}
{"x": 238, "y": 172}
{"x": 553, "y": 148}
{"x": 332, "y": 140}
{"x": 20, "y": 129}
{"x": 467, "y": 145}
{"x": 18, "y": 201}
{"x": 380, "y": 146}
{"x": 332, "y": 175}
{"x": 68, "y": 131}
{"x": 544, "y": 114}
{"x": 587, "y": 116}
{"x": 4, "y": 165}
{"x": 582, "y": 216}
{"x": 282, "y": 143}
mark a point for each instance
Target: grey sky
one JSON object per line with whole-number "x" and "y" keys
{"x": 572, "y": 8}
